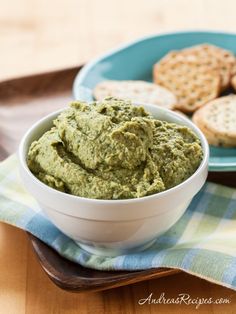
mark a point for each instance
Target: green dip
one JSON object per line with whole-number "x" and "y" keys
{"x": 113, "y": 150}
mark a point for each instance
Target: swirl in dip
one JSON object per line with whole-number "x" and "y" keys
{"x": 113, "y": 150}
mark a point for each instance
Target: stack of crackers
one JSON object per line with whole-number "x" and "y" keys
{"x": 191, "y": 81}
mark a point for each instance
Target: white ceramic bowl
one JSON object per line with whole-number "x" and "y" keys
{"x": 112, "y": 227}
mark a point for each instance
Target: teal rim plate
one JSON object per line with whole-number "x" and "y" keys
{"x": 134, "y": 61}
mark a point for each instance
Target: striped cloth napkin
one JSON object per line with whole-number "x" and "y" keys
{"x": 202, "y": 242}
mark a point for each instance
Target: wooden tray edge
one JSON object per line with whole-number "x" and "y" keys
{"x": 80, "y": 284}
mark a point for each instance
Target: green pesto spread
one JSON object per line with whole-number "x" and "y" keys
{"x": 113, "y": 150}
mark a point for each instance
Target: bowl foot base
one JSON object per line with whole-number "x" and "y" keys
{"x": 109, "y": 252}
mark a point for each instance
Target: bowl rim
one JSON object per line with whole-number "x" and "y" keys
{"x": 51, "y": 116}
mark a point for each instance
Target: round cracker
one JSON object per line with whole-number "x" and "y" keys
{"x": 137, "y": 91}
{"x": 219, "y": 118}
{"x": 193, "y": 81}
{"x": 225, "y": 59}
{"x": 220, "y": 115}
{"x": 213, "y": 138}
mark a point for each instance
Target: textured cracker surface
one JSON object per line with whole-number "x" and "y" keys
{"x": 192, "y": 81}
{"x": 217, "y": 120}
{"x": 137, "y": 91}
{"x": 210, "y": 53}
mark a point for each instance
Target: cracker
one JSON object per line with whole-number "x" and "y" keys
{"x": 194, "y": 82}
{"x": 218, "y": 119}
{"x": 214, "y": 139}
{"x": 137, "y": 91}
{"x": 225, "y": 59}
